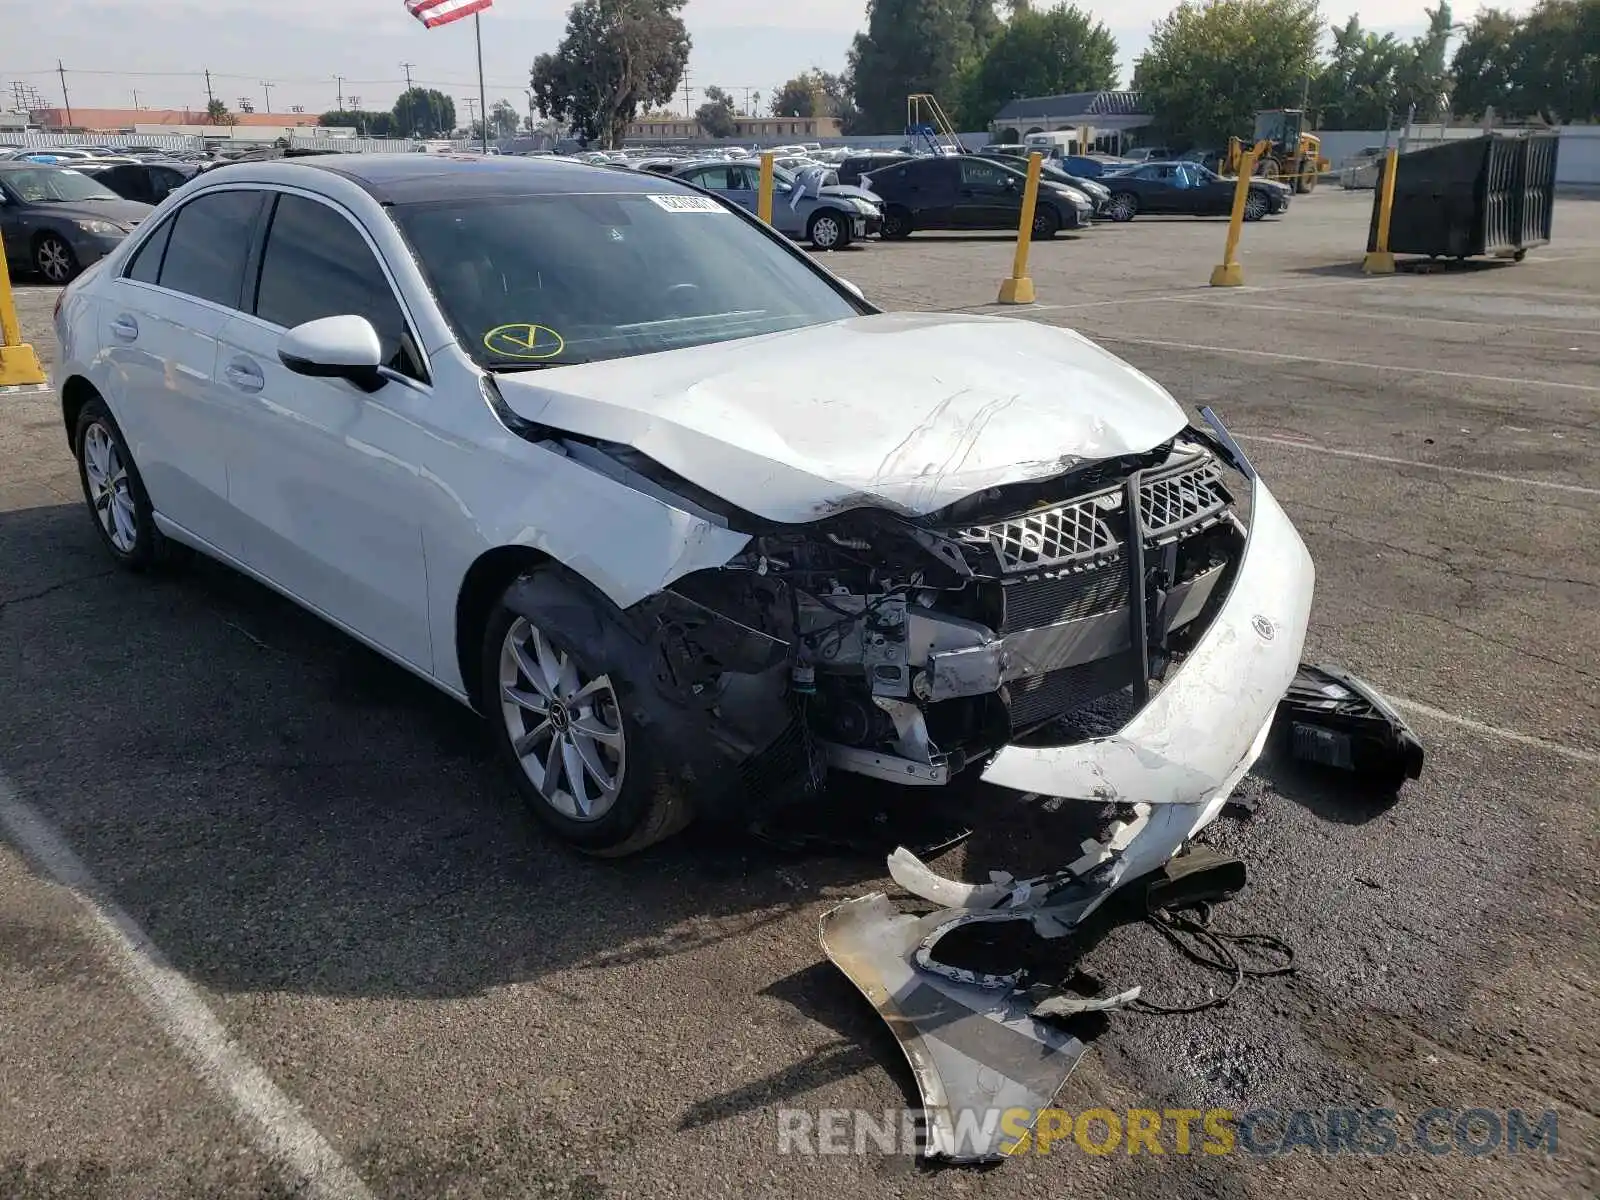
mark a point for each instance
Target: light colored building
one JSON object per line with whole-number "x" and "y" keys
{"x": 767, "y": 129}
{"x": 1112, "y": 116}
{"x": 118, "y": 120}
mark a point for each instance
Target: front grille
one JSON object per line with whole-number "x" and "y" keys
{"x": 1174, "y": 501}
{"x": 1182, "y": 501}
{"x": 1031, "y": 603}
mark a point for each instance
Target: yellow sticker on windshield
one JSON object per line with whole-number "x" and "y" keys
{"x": 521, "y": 340}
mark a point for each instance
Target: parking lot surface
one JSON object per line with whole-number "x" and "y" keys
{"x": 265, "y": 898}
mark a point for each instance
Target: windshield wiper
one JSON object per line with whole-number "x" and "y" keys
{"x": 511, "y": 368}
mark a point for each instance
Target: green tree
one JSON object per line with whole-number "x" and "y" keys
{"x": 217, "y": 114}
{"x": 503, "y": 119}
{"x": 616, "y": 55}
{"x": 913, "y": 46}
{"x": 1422, "y": 80}
{"x": 716, "y": 114}
{"x": 373, "y": 124}
{"x": 799, "y": 97}
{"x": 424, "y": 112}
{"x": 1545, "y": 65}
{"x": 1046, "y": 53}
{"x": 1356, "y": 88}
{"x": 1210, "y": 67}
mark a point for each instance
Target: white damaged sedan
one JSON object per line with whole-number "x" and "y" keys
{"x": 551, "y": 436}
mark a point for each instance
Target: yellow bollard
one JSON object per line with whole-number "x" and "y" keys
{"x": 1228, "y": 273}
{"x": 19, "y": 365}
{"x": 1380, "y": 261}
{"x": 1019, "y": 288}
{"x": 764, "y": 196}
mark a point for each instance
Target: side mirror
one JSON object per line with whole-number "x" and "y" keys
{"x": 343, "y": 347}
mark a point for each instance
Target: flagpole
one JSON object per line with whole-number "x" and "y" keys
{"x": 483, "y": 107}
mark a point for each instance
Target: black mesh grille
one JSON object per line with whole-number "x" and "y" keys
{"x": 1071, "y": 690}
{"x": 1031, "y": 603}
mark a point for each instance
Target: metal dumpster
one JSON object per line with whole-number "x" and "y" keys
{"x": 1488, "y": 195}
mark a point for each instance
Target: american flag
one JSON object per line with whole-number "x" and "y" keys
{"x": 441, "y": 12}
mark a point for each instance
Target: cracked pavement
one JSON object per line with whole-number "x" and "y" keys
{"x": 324, "y": 847}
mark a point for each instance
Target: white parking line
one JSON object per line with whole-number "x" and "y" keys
{"x": 1373, "y": 315}
{"x": 1363, "y": 456}
{"x": 282, "y": 1133}
{"x": 1340, "y": 362}
{"x": 1587, "y": 757}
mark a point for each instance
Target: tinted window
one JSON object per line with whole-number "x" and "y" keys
{"x": 163, "y": 180}
{"x": 317, "y": 264}
{"x": 146, "y": 264}
{"x": 209, "y": 244}
{"x": 557, "y": 279}
{"x": 717, "y": 179}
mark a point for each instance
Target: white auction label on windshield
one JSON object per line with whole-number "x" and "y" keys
{"x": 688, "y": 204}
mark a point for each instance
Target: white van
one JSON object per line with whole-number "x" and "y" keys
{"x": 1054, "y": 145}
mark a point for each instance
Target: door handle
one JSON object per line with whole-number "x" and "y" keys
{"x": 124, "y": 328}
{"x": 245, "y": 375}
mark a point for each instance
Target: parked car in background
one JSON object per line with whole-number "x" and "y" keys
{"x": 851, "y": 169}
{"x": 830, "y": 217}
{"x": 1093, "y": 166}
{"x": 1187, "y": 188}
{"x": 1052, "y": 170}
{"x": 968, "y": 192}
{"x": 147, "y": 182}
{"x": 57, "y": 220}
{"x": 1148, "y": 154}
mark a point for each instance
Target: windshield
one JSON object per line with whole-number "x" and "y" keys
{"x": 53, "y": 184}
{"x": 559, "y": 279}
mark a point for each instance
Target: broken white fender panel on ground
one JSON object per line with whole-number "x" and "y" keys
{"x": 976, "y": 1052}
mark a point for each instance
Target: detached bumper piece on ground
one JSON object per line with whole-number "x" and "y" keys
{"x": 1333, "y": 719}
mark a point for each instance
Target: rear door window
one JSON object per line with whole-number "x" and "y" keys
{"x": 146, "y": 264}
{"x": 209, "y": 244}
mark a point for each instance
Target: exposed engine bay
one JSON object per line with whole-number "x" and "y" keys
{"x": 910, "y": 649}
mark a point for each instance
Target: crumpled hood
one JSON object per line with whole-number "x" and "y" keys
{"x": 855, "y": 193}
{"x": 905, "y": 411}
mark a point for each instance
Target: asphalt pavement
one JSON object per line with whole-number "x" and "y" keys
{"x": 265, "y": 899}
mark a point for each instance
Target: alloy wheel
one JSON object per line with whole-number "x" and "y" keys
{"x": 109, "y": 489}
{"x": 1255, "y": 207}
{"x": 825, "y": 233}
{"x": 565, "y": 730}
{"x": 1123, "y": 207}
{"x": 54, "y": 259}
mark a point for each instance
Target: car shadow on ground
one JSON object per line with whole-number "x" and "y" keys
{"x": 281, "y": 808}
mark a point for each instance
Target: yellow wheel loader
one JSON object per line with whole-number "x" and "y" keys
{"x": 1284, "y": 150}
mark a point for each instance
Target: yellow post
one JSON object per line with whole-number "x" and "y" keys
{"x": 19, "y": 365}
{"x": 1380, "y": 261}
{"x": 1019, "y": 288}
{"x": 1228, "y": 273}
{"x": 764, "y": 196}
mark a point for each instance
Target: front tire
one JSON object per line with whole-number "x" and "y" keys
{"x": 828, "y": 230}
{"x": 1256, "y": 206}
{"x": 1045, "y": 223}
{"x": 114, "y": 491}
{"x": 562, "y": 681}
{"x": 1124, "y": 206}
{"x": 54, "y": 259}
{"x": 897, "y": 224}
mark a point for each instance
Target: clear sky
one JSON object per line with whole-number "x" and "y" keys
{"x": 160, "y": 47}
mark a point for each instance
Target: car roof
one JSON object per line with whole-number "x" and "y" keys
{"x": 418, "y": 178}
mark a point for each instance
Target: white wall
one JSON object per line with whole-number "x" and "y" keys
{"x": 1577, "y": 159}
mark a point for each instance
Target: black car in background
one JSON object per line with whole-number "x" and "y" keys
{"x": 963, "y": 191}
{"x": 1051, "y": 169}
{"x": 853, "y": 168}
{"x": 146, "y": 182}
{"x": 57, "y": 220}
{"x": 1188, "y": 189}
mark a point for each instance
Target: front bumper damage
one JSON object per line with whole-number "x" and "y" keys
{"x": 984, "y": 1063}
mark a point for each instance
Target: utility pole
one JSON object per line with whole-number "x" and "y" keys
{"x": 266, "y": 86}
{"x": 410, "y": 106}
{"x": 135, "y": 99}
{"x": 339, "y": 81}
{"x": 686, "y": 110}
{"x": 62, "y": 71}
{"x": 210, "y": 98}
